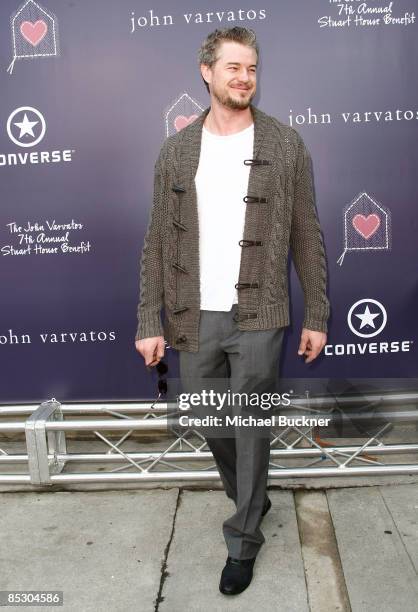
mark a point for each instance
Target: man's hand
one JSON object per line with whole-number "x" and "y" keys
{"x": 311, "y": 343}
{"x": 152, "y": 349}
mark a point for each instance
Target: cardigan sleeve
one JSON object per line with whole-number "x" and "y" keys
{"x": 307, "y": 245}
{"x": 151, "y": 264}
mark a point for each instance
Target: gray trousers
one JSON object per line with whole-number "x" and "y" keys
{"x": 248, "y": 361}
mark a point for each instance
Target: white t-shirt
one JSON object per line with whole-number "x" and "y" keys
{"x": 221, "y": 183}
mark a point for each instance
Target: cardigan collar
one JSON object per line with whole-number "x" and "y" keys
{"x": 193, "y": 136}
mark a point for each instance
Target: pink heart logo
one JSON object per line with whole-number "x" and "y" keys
{"x": 33, "y": 32}
{"x": 181, "y": 121}
{"x": 366, "y": 226}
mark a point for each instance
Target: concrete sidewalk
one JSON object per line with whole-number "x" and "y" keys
{"x": 163, "y": 550}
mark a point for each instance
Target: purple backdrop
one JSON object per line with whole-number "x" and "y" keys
{"x": 81, "y": 123}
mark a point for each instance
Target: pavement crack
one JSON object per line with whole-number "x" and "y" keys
{"x": 320, "y": 553}
{"x": 164, "y": 572}
{"x": 300, "y": 547}
{"x": 343, "y": 585}
{"x": 395, "y": 528}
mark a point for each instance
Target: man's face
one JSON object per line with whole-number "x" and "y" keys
{"x": 232, "y": 78}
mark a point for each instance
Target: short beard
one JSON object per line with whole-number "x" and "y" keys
{"x": 232, "y": 103}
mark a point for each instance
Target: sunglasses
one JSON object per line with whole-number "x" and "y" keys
{"x": 162, "y": 369}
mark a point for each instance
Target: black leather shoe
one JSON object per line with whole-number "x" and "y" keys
{"x": 266, "y": 507}
{"x": 236, "y": 575}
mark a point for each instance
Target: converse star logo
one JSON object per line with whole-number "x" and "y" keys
{"x": 26, "y": 126}
{"x": 367, "y": 315}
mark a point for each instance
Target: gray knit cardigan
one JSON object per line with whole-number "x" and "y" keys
{"x": 280, "y": 213}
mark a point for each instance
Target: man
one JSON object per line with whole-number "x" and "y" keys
{"x": 232, "y": 194}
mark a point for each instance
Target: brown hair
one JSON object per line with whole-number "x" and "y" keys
{"x": 208, "y": 51}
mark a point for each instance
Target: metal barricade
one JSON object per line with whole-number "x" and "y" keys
{"x": 185, "y": 456}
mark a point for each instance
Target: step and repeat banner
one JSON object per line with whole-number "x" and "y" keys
{"x": 89, "y": 92}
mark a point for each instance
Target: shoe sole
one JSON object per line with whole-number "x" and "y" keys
{"x": 267, "y": 509}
